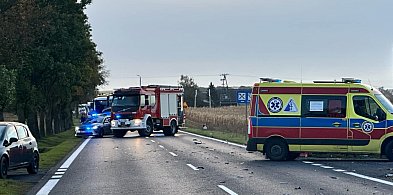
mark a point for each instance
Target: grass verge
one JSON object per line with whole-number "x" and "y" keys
{"x": 52, "y": 150}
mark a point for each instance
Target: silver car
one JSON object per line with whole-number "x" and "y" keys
{"x": 18, "y": 148}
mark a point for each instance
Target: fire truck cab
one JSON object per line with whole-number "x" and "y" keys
{"x": 288, "y": 118}
{"x": 147, "y": 108}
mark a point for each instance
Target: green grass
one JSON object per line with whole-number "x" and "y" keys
{"x": 231, "y": 137}
{"x": 52, "y": 150}
{"x": 13, "y": 187}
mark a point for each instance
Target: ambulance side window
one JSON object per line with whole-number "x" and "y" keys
{"x": 366, "y": 106}
{"x": 324, "y": 106}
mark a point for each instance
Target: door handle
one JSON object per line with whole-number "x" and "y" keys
{"x": 356, "y": 125}
{"x": 336, "y": 124}
{"x": 30, "y": 143}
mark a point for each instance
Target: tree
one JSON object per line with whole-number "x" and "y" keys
{"x": 214, "y": 95}
{"x": 7, "y": 88}
{"x": 190, "y": 88}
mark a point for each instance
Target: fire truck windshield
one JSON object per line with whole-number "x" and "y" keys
{"x": 125, "y": 102}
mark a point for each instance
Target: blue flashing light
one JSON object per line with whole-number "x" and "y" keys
{"x": 357, "y": 81}
{"x": 94, "y": 115}
{"x": 118, "y": 116}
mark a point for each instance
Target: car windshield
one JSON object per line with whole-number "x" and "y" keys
{"x": 2, "y": 129}
{"x": 126, "y": 101}
{"x": 94, "y": 120}
{"x": 385, "y": 102}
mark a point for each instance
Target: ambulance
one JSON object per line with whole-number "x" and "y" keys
{"x": 288, "y": 118}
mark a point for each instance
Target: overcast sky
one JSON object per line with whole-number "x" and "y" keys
{"x": 248, "y": 39}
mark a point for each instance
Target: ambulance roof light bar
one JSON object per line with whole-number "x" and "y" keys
{"x": 343, "y": 80}
{"x": 269, "y": 80}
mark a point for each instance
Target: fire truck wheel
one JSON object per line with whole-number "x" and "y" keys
{"x": 172, "y": 130}
{"x": 293, "y": 155}
{"x": 389, "y": 151}
{"x": 119, "y": 134}
{"x": 276, "y": 150}
{"x": 146, "y": 132}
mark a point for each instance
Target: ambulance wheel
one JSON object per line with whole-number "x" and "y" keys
{"x": 293, "y": 155}
{"x": 146, "y": 132}
{"x": 276, "y": 150}
{"x": 119, "y": 134}
{"x": 172, "y": 130}
{"x": 389, "y": 151}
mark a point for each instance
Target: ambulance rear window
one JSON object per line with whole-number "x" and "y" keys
{"x": 324, "y": 106}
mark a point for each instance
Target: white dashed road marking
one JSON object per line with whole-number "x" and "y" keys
{"x": 59, "y": 173}
{"x": 227, "y": 190}
{"x": 173, "y": 154}
{"x": 339, "y": 170}
{"x": 192, "y": 167}
{"x": 214, "y": 139}
{"x": 370, "y": 178}
{"x": 327, "y": 167}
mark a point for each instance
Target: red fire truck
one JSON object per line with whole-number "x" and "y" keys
{"x": 147, "y": 108}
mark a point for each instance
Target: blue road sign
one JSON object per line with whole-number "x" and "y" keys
{"x": 243, "y": 97}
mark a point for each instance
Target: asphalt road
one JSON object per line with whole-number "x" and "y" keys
{"x": 186, "y": 164}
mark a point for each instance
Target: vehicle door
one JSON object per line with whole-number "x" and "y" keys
{"x": 106, "y": 126}
{"x": 324, "y": 126}
{"x": 26, "y": 143}
{"x": 14, "y": 149}
{"x": 367, "y": 123}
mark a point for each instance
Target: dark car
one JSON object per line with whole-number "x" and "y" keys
{"x": 18, "y": 148}
{"x": 94, "y": 126}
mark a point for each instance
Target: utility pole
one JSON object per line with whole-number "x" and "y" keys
{"x": 195, "y": 98}
{"x": 210, "y": 99}
{"x": 140, "y": 80}
{"x": 224, "y": 86}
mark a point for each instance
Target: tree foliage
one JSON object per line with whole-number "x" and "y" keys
{"x": 190, "y": 88}
{"x": 48, "y": 44}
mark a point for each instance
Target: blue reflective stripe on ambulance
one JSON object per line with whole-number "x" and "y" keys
{"x": 376, "y": 125}
{"x": 323, "y": 122}
{"x": 276, "y": 122}
{"x": 389, "y": 123}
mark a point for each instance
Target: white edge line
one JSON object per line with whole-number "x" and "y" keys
{"x": 370, "y": 178}
{"x": 227, "y": 190}
{"x": 192, "y": 167}
{"x": 308, "y": 162}
{"x": 214, "y": 139}
{"x": 48, "y": 187}
{"x": 52, "y": 182}
{"x": 173, "y": 154}
{"x": 317, "y": 164}
{"x": 71, "y": 159}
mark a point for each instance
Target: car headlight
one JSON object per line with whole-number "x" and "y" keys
{"x": 137, "y": 122}
{"x": 76, "y": 128}
{"x": 95, "y": 127}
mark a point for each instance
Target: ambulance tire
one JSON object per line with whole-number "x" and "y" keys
{"x": 389, "y": 151}
{"x": 293, "y": 155}
{"x": 276, "y": 150}
{"x": 146, "y": 132}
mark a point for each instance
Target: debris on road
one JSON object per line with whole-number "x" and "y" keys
{"x": 298, "y": 188}
{"x": 389, "y": 175}
{"x": 196, "y": 141}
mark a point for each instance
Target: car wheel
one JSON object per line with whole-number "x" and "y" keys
{"x": 146, "y": 132}
{"x": 389, "y": 151}
{"x": 100, "y": 133}
{"x": 34, "y": 164}
{"x": 276, "y": 150}
{"x": 3, "y": 167}
{"x": 172, "y": 130}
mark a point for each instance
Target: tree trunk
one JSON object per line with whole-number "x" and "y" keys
{"x": 1, "y": 114}
{"x": 32, "y": 122}
{"x": 42, "y": 124}
{"x": 21, "y": 113}
{"x": 48, "y": 122}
